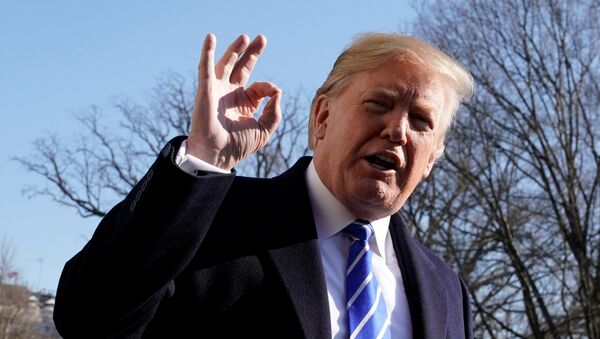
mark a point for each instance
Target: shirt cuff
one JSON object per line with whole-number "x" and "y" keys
{"x": 191, "y": 164}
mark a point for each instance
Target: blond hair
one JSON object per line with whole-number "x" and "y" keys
{"x": 371, "y": 50}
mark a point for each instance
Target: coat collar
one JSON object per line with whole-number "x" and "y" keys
{"x": 427, "y": 297}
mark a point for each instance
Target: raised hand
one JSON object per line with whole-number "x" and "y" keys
{"x": 224, "y": 130}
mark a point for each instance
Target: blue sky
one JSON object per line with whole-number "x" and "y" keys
{"x": 59, "y": 57}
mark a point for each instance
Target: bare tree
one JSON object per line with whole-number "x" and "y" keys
{"x": 13, "y": 311}
{"x": 14, "y": 295}
{"x": 514, "y": 205}
{"x": 101, "y": 164}
{"x": 8, "y": 272}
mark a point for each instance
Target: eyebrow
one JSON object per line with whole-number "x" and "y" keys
{"x": 424, "y": 105}
{"x": 412, "y": 94}
{"x": 390, "y": 93}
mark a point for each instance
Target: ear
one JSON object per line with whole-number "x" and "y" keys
{"x": 431, "y": 162}
{"x": 429, "y": 166}
{"x": 321, "y": 116}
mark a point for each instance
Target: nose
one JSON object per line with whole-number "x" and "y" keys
{"x": 396, "y": 128}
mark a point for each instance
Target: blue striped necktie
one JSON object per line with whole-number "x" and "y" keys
{"x": 367, "y": 314}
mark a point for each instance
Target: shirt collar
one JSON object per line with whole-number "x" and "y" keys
{"x": 331, "y": 216}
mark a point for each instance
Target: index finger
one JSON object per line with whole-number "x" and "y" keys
{"x": 206, "y": 67}
{"x": 243, "y": 68}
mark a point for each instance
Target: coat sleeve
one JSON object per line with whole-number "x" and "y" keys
{"x": 114, "y": 285}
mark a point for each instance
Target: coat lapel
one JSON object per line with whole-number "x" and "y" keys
{"x": 296, "y": 255}
{"x": 300, "y": 269}
{"x": 425, "y": 292}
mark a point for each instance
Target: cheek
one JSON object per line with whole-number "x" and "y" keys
{"x": 348, "y": 145}
{"x": 422, "y": 147}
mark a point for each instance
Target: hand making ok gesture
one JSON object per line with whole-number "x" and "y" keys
{"x": 224, "y": 130}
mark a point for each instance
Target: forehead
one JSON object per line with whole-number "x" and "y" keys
{"x": 402, "y": 79}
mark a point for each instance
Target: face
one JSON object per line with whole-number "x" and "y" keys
{"x": 376, "y": 140}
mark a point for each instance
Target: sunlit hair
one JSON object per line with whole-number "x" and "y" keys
{"x": 371, "y": 50}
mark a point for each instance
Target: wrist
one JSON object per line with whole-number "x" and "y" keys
{"x": 209, "y": 155}
{"x": 190, "y": 164}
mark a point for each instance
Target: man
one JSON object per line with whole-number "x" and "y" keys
{"x": 319, "y": 251}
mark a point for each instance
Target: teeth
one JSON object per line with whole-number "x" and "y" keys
{"x": 386, "y": 158}
{"x": 383, "y": 161}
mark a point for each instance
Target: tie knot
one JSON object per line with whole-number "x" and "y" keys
{"x": 360, "y": 229}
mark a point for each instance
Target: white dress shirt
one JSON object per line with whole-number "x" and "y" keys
{"x": 331, "y": 217}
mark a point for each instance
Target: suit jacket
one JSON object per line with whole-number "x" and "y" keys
{"x": 217, "y": 255}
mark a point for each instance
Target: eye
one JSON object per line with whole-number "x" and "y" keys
{"x": 421, "y": 122}
{"x": 377, "y": 105}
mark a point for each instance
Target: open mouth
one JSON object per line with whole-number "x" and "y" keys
{"x": 382, "y": 162}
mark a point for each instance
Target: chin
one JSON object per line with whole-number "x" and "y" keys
{"x": 376, "y": 204}
{"x": 373, "y": 212}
